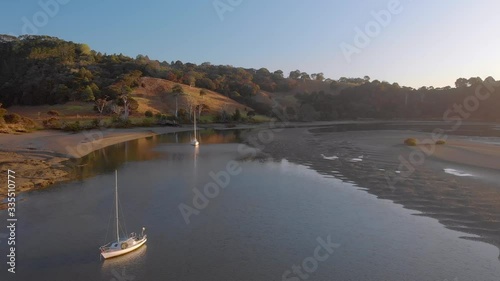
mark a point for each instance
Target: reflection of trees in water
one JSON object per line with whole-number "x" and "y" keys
{"x": 110, "y": 158}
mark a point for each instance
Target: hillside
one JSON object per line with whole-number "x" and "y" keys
{"x": 44, "y": 70}
{"x": 288, "y": 98}
{"x": 153, "y": 95}
{"x": 156, "y": 95}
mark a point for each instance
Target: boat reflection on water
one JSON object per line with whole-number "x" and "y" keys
{"x": 120, "y": 267}
{"x": 196, "y": 153}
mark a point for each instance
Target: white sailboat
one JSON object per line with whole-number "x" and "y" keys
{"x": 195, "y": 142}
{"x": 122, "y": 245}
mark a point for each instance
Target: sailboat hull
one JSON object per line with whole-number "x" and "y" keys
{"x": 118, "y": 252}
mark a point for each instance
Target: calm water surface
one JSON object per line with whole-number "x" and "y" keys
{"x": 265, "y": 221}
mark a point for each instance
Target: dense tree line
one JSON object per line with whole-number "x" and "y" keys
{"x": 471, "y": 98}
{"x": 46, "y": 70}
{"x": 38, "y": 70}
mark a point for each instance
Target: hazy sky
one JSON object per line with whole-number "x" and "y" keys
{"x": 424, "y": 43}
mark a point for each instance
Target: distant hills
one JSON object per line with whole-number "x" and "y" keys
{"x": 44, "y": 70}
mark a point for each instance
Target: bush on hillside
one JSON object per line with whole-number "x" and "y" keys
{"x": 12, "y": 118}
{"x": 53, "y": 113}
{"x": 52, "y": 123}
{"x": 72, "y": 127}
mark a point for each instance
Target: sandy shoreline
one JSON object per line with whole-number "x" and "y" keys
{"x": 39, "y": 158}
{"x": 371, "y": 160}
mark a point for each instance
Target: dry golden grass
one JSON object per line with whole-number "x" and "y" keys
{"x": 153, "y": 94}
{"x": 69, "y": 110}
{"x": 156, "y": 95}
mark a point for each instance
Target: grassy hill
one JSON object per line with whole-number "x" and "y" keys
{"x": 153, "y": 95}
{"x": 68, "y": 76}
{"x": 156, "y": 95}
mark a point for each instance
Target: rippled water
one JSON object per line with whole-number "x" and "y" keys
{"x": 268, "y": 219}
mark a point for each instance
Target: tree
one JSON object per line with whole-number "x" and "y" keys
{"x": 205, "y": 83}
{"x": 101, "y": 104}
{"x": 133, "y": 105}
{"x": 177, "y": 90}
{"x": 263, "y": 72}
{"x": 236, "y": 115}
{"x": 87, "y": 94}
{"x": 278, "y": 73}
{"x": 294, "y": 74}
{"x": 461, "y": 83}
{"x": 290, "y": 111}
{"x": 367, "y": 78}
{"x": 95, "y": 89}
{"x": 201, "y": 108}
{"x": 334, "y": 85}
{"x": 320, "y": 76}
{"x": 126, "y": 111}
{"x": 304, "y": 76}
{"x": 190, "y": 105}
{"x": 474, "y": 81}
{"x": 84, "y": 49}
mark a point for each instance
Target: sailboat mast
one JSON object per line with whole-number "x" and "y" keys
{"x": 195, "y": 125}
{"x": 116, "y": 199}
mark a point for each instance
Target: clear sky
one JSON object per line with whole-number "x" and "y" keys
{"x": 427, "y": 42}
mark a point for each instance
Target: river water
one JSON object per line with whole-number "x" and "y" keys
{"x": 273, "y": 220}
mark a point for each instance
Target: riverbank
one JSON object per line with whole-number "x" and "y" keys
{"x": 457, "y": 183}
{"x": 39, "y": 158}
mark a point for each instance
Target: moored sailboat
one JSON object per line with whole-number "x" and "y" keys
{"x": 122, "y": 245}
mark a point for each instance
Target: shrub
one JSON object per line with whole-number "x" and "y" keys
{"x": 53, "y": 113}
{"x": 236, "y": 115}
{"x": 95, "y": 123}
{"x": 148, "y": 113}
{"x": 28, "y": 123}
{"x": 440, "y": 142}
{"x": 3, "y": 112}
{"x": 117, "y": 122}
{"x": 12, "y": 118}
{"x": 146, "y": 122}
{"x": 52, "y": 123}
{"x": 73, "y": 127}
{"x": 411, "y": 142}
